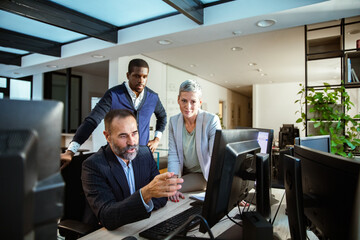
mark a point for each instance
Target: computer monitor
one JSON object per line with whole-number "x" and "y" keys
{"x": 321, "y": 143}
{"x": 277, "y": 180}
{"x": 30, "y": 134}
{"x": 294, "y": 198}
{"x": 331, "y": 193}
{"x": 265, "y": 139}
{"x": 232, "y": 166}
{"x": 287, "y": 135}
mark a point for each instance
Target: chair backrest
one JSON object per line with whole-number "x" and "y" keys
{"x": 74, "y": 198}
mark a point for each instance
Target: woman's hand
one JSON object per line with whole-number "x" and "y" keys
{"x": 176, "y": 197}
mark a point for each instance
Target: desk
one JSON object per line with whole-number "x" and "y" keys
{"x": 280, "y": 225}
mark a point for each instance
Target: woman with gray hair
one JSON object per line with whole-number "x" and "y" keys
{"x": 191, "y": 140}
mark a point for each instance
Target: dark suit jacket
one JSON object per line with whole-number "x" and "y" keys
{"x": 107, "y": 191}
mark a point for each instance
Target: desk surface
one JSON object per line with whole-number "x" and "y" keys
{"x": 280, "y": 225}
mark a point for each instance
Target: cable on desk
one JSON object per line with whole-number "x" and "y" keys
{"x": 182, "y": 227}
{"x": 252, "y": 199}
{"x": 234, "y": 220}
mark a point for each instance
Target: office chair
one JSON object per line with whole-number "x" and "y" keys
{"x": 70, "y": 225}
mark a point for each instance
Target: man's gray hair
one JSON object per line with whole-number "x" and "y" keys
{"x": 190, "y": 86}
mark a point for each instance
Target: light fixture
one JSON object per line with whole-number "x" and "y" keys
{"x": 52, "y": 66}
{"x": 98, "y": 56}
{"x": 263, "y": 74}
{"x": 259, "y": 70}
{"x": 265, "y": 23}
{"x": 16, "y": 73}
{"x": 236, "y": 33}
{"x": 352, "y": 32}
{"x": 211, "y": 74}
{"x": 164, "y": 42}
{"x": 252, "y": 64}
{"x": 192, "y": 65}
{"x": 236, "y": 49}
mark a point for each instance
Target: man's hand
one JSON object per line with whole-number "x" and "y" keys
{"x": 163, "y": 185}
{"x": 153, "y": 144}
{"x": 176, "y": 197}
{"x": 65, "y": 159}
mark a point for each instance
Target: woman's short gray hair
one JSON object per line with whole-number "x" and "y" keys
{"x": 190, "y": 86}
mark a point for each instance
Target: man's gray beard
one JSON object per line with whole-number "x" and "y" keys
{"x": 122, "y": 152}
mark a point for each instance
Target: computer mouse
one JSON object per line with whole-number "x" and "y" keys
{"x": 129, "y": 238}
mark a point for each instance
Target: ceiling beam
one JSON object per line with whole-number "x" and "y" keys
{"x": 193, "y": 9}
{"x": 10, "y": 58}
{"x": 60, "y": 16}
{"x": 29, "y": 43}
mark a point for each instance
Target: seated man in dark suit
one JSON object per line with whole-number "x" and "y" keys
{"x": 121, "y": 181}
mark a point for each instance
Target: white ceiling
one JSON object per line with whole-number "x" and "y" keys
{"x": 278, "y": 50}
{"x": 278, "y": 55}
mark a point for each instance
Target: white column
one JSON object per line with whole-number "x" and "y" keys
{"x": 38, "y": 87}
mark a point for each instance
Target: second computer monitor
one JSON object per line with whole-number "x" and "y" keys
{"x": 331, "y": 193}
{"x": 232, "y": 160}
{"x": 321, "y": 143}
{"x": 265, "y": 139}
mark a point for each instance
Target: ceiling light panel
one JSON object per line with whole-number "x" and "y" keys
{"x": 119, "y": 13}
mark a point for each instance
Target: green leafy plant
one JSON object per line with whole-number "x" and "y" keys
{"x": 330, "y": 118}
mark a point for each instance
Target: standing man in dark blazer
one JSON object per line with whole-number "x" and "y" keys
{"x": 132, "y": 95}
{"x": 121, "y": 181}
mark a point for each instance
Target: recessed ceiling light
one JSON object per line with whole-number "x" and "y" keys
{"x": 164, "y": 42}
{"x": 16, "y": 73}
{"x": 263, "y": 74}
{"x": 265, "y": 23}
{"x": 352, "y": 32}
{"x": 252, "y": 64}
{"x": 52, "y": 66}
{"x": 236, "y": 49}
{"x": 259, "y": 70}
{"x": 192, "y": 65}
{"x": 211, "y": 74}
{"x": 236, "y": 33}
{"x": 97, "y": 56}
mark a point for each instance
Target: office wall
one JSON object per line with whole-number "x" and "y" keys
{"x": 92, "y": 86}
{"x": 354, "y": 94}
{"x": 273, "y": 105}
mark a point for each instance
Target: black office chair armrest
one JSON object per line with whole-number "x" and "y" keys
{"x": 72, "y": 227}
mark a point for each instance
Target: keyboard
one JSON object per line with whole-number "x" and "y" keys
{"x": 166, "y": 227}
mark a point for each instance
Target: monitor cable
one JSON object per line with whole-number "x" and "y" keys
{"x": 240, "y": 224}
{"x": 239, "y": 216}
{"x": 182, "y": 227}
{"x": 252, "y": 199}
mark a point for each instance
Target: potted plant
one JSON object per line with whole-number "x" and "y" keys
{"x": 329, "y": 116}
